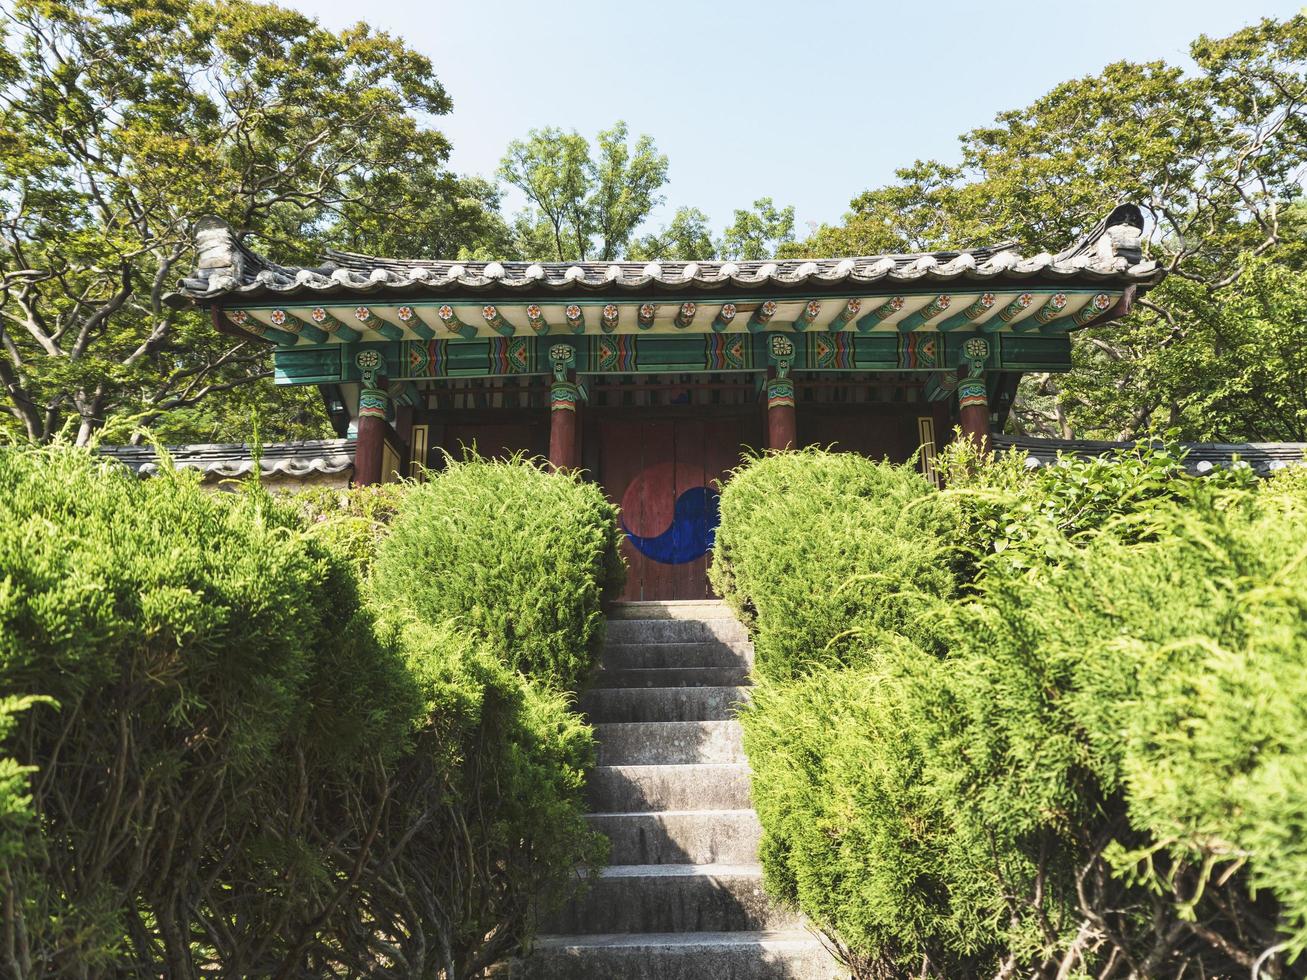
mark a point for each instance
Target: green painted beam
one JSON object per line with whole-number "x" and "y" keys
{"x": 761, "y": 316}
{"x": 409, "y": 317}
{"x": 807, "y": 315}
{"x": 495, "y": 320}
{"x": 980, "y": 306}
{"x": 575, "y": 316}
{"x": 333, "y": 326}
{"x": 724, "y": 317}
{"x": 291, "y": 323}
{"x": 1098, "y": 304}
{"x": 373, "y": 322}
{"x": 924, "y": 315}
{"x": 535, "y": 319}
{"x": 883, "y": 312}
{"x": 1004, "y": 316}
{"x": 845, "y": 316}
{"x": 450, "y": 319}
{"x": 243, "y": 321}
{"x": 610, "y": 317}
{"x": 1046, "y": 314}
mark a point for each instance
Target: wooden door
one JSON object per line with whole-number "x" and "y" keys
{"x": 664, "y": 475}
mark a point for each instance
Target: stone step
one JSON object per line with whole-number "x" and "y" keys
{"x": 628, "y": 789}
{"x": 670, "y": 677}
{"x": 681, "y": 836}
{"x": 674, "y": 630}
{"x": 700, "y": 653}
{"x": 791, "y": 955}
{"x": 674, "y": 898}
{"x": 669, "y": 743}
{"x": 670, "y": 609}
{"x": 662, "y": 703}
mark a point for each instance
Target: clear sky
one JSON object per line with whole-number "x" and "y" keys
{"x": 807, "y": 101}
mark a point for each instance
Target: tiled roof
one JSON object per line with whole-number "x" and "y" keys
{"x": 1109, "y": 254}
{"x": 217, "y": 461}
{"x": 1201, "y": 457}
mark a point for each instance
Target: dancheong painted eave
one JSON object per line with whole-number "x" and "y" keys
{"x": 703, "y": 296}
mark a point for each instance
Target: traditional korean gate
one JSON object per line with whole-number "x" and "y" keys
{"x": 663, "y": 473}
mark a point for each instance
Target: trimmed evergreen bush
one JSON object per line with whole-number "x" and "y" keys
{"x": 521, "y": 558}
{"x": 215, "y": 757}
{"x": 819, "y": 551}
{"x": 1092, "y": 764}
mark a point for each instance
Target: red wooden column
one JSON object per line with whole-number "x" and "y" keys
{"x": 370, "y": 441}
{"x": 973, "y": 396}
{"x": 973, "y": 412}
{"x": 782, "y": 427}
{"x": 564, "y": 405}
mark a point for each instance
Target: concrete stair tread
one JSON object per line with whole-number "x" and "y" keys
{"x": 680, "y": 837}
{"x": 608, "y": 678}
{"x": 723, "y": 812}
{"x": 632, "y": 705}
{"x": 681, "y": 870}
{"x": 778, "y": 938}
{"x": 669, "y": 743}
{"x": 670, "y": 609}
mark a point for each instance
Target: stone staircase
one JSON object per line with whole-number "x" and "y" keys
{"x": 683, "y": 897}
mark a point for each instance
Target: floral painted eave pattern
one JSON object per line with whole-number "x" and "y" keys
{"x": 1110, "y": 254}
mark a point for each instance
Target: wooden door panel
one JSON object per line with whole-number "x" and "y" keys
{"x": 663, "y": 474}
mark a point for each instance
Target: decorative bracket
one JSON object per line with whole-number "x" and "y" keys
{"x": 564, "y": 393}
{"x": 374, "y": 400}
{"x": 975, "y": 354}
{"x": 780, "y": 351}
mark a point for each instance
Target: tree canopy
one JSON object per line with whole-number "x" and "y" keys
{"x": 583, "y": 204}
{"x": 1216, "y": 158}
{"x": 123, "y": 123}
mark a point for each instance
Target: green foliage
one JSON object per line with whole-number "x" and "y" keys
{"x": 123, "y": 123}
{"x": 215, "y": 758}
{"x": 523, "y": 559}
{"x": 583, "y": 206}
{"x": 204, "y": 660}
{"x": 820, "y": 550}
{"x": 1092, "y": 757}
{"x": 687, "y": 236}
{"x": 759, "y": 233}
{"x": 351, "y": 522}
{"x": 1214, "y": 158}
{"x": 490, "y": 806}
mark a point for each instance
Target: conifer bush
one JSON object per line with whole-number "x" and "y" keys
{"x": 1093, "y": 765}
{"x": 186, "y": 644}
{"x": 220, "y": 752}
{"x": 522, "y": 558}
{"x": 820, "y": 550}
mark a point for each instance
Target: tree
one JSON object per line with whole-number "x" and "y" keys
{"x": 583, "y": 206}
{"x": 760, "y": 233}
{"x": 123, "y": 123}
{"x": 1215, "y": 159}
{"x": 687, "y": 236}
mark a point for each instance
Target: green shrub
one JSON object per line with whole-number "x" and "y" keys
{"x": 819, "y": 551}
{"x": 1093, "y": 761}
{"x": 521, "y": 558}
{"x": 228, "y": 765}
{"x": 351, "y": 522}
{"x": 1138, "y": 705}
{"x": 494, "y": 790}
{"x": 189, "y": 641}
